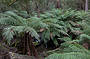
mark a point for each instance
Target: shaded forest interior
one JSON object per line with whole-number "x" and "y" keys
{"x": 44, "y": 29}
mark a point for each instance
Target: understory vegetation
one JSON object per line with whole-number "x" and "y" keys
{"x": 58, "y": 33}
{"x": 67, "y": 29}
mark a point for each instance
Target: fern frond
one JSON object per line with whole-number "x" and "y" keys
{"x": 72, "y": 55}
{"x": 11, "y": 31}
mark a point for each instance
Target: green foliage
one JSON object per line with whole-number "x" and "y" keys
{"x": 57, "y": 25}
{"x": 70, "y": 51}
{"x": 72, "y": 55}
{"x": 67, "y": 20}
{"x": 15, "y": 26}
{"x": 11, "y": 31}
{"x": 84, "y": 38}
{"x": 54, "y": 23}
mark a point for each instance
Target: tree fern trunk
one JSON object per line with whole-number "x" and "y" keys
{"x": 28, "y": 46}
{"x": 38, "y": 13}
{"x": 24, "y": 44}
{"x": 33, "y": 48}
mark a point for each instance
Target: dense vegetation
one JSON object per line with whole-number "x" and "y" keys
{"x": 57, "y": 30}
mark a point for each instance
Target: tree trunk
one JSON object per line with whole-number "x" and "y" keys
{"x": 38, "y": 11}
{"x": 86, "y": 5}
{"x": 58, "y": 4}
{"x": 27, "y": 8}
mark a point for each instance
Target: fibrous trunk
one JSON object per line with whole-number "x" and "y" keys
{"x": 30, "y": 46}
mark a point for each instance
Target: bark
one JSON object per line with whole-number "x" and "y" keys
{"x": 33, "y": 48}
{"x": 27, "y": 8}
{"x": 86, "y": 45}
{"x": 58, "y": 3}
{"x": 24, "y": 45}
{"x": 38, "y": 11}
{"x": 86, "y": 5}
{"x": 28, "y": 46}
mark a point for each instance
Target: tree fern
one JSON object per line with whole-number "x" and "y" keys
{"x": 54, "y": 23}
{"x": 72, "y": 55}
{"x": 84, "y": 38}
{"x": 70, "y": 51}
{"x": 9, "y": 32}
